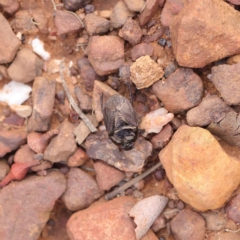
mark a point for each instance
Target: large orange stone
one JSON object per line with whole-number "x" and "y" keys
{"x": 204, "y": 171}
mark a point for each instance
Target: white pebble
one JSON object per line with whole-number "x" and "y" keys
{"x": 15, "y": 93}
{"x": 38, "y": 48}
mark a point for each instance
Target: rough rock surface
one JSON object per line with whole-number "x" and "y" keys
{"x": 99, "y": 146}
{"x": 81, "y": 190}
{"x": 161, "y": 139}
{"x": 120, "y": 14}
{"x": 66, "y": 22}
{"x": 107, "y": 176}
{"x": 26, "y": 205}
{"x": 142, "y": 49}
{"x": 24, "y": 154}
{"x": 135, "y": 5}
{"x": 63, "y": 145}
{"x": 87, "y": 73}
{"x": 4, "y": 168}
{"x": 25, "y": 67}
{"x": 188, "y": 225}
{"x": 145, "y": 71}
{"x": 131, "y": 31}
{"x": 181, "y": 91}
{"x": 170, "y": 10}
{"x": 101, "y": 89}
{"x": 11, "y": 140}
{"x": 9, "y": 6}
{"x": 82, "y": 130}
{"x": 194, "y": 155}
{"x": 96, "y": 25}
{"x": 210, "y": 36}
{"x": 105, "y": 53}
{"x": 228, "y": 128}
{"x": 43, "y": 95}
{"x": 149, "y": 10}
{"x": 108, "y": 218}
{"x": 215, "y": 221}
{"x": 226, "y": 79}
{"x": 9, "y": 42}
{"x": 211, "y": 109}
{"x": 233, "y": 209}
{"x": 84, "y": 100}
{"x": 77, "y": 159}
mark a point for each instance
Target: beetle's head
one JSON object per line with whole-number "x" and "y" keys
{"x": 125, "y": 137}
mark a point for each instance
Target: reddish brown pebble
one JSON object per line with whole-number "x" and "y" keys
{"x": 171, "y": 204}
{"x": 73, "y": 117}
{"x": 77, "y": 159}
{"x": 38, "y": 142}
{"x": 14, "y": 120}
{"x": 160, "y": 174}
{"x": 18, "y": 172}
{"x": 180, "y": 205}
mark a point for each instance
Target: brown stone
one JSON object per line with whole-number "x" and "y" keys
{"x": 99, "y": 146}
{"x": 25, "y": 67}
{"x": 106, "y": 54}
{"x": 161, "y": 139}
{"x": 211, "y": 109}
{"x": 212, "y": 35}
{"x": 215, "y": 221}
{"x": 145, "y": 71}
{"x": 120, "y": 14}
{"x": 81, "y": 190}
{"x": 43, "y": 95}
{"x": 24, "y": 154}
{"x": 40, "y": 16}
{"x": 96, "y": 25}
{"x": 148, "y": 12}
{"x": 85, "y": 101}
{"x": 108, "y": 218}
{"x": 28, "y": 210}
{"x": 11, "y": 140}
{"x": 135, "y": 5}
{"x": 10, "y": 6}
{"x": 77, "y": 159}
{"x": 131, "y": 31}
{"x": 4, "y": 168}
{"x": 9, "y": 42}
{"x": 226, "y": 79}
{"x": 107, "y": 176}
{"x": 142, "y": 49}
{"x": 181, "y": 91}
{"x": 188, "y": 225}
{"x": 170, "y": 10}
{"x": 66, "y": 22}
{"x": 23, "y": 23}
{"x": 228, "y": 128}
{"x": 233, "y": 209}
{"x": 74, "y": 5}
{"x": 63, "y": 145}
{"x": 198, "y": 166}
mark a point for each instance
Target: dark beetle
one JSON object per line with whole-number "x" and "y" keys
{"x": 120, "y": 121}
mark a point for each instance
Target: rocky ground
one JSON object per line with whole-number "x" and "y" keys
{"x": 62, "y": 178}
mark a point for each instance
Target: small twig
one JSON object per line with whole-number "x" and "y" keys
{"x": 54, "y": 5}
{"x": 74, "y": 104}
{"x": 232, "y": 231}
{"x": 114, "y": 193}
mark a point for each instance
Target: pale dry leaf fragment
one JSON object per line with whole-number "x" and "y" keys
{"x": 154, "y": 121}
{"x": 145, "y": 212}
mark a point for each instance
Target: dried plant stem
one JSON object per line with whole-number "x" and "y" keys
{"x": 114, "y": 193}
{"x": 74, "y": 104}
{"x": 232, "y": 231}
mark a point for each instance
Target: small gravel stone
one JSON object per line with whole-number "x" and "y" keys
{"x": 162, "y": 42}
{"x": 89, "y": 8}
{"x": 74, "y": 5}
{"x": 135, "y": 5}
{"x": 214, "y": 221}
{"x": 233, "y": 209}
{"x": 180, "y": 205}
{"x": 142, "y": 49}
{"x": 81, "y": 190}
{"x": 188, "y": 225}
{"x": 160, "y": 174}
{"x": 149, "y": 10}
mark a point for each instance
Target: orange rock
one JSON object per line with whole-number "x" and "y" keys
{"x": 103, "y": 221}
{"x": 78, "y": 158}
{"x": 212, "y": 37}
{"x": 198, "y": 167}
